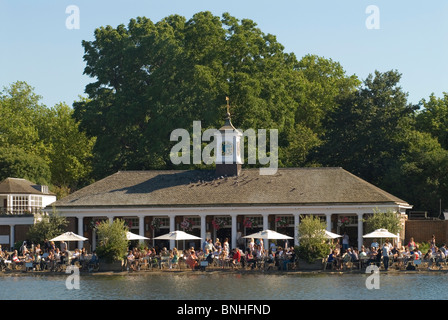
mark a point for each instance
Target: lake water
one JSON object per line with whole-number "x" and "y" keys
{"x": 226, "y": 286}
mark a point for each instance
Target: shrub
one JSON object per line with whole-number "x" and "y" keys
{"x": 313, "y": 243}
{"x": 113, "y": 244}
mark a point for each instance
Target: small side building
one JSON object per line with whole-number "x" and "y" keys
{"x": 21, "y": 204}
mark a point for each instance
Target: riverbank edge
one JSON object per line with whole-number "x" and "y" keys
{"x": 227, "y": 271}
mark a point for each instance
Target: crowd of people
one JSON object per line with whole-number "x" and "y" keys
{"x": 387, "y": 254}
{"x": 47, "y": 257}
{"x": 213, "y": 253}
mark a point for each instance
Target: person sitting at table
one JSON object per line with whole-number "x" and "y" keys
{"x": 331, "y": 260}
{"x": 209, "y": 257}
{"x": 29, "y": 259}
{"x": 372, "y": 255}
{"x": 75, "y": 256}
{"x": 130, "y": 260}
{"x": 174, "y": 257}
{"x": 192, "y": 260}
{"x": 15, "y": 258}
{"x": 250, "y": 259}
{"x": 236, "y": 257}
{"x": 428, "y": 256}
{"x": 289, "y": 258}
{"x": 440, "y": 257}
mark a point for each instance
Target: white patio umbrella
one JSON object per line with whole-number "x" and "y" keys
{"x": 177, "y": 235}
{"x": 380, "y": 234}
{"x": 133, "y": 236}
{"x": 327, "y": 234}
{"x": 331, "y": 235}
{"x": 69, "y": 236}
{"x": 268, "y": 234}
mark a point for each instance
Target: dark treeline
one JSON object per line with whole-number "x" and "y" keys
{"x": 151, "y": 78}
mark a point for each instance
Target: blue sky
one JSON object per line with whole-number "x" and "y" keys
{"x": 36, "y": 46}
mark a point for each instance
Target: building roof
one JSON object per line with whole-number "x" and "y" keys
{"x": 173, "y": 188}
{"x": 20, "y": 186}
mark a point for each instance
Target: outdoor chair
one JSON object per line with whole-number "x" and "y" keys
{"x": 154, "y": 263}
{"x": 328, "y": 264}
{"x": 175, "y": 265}
{"x": 292, "y": 265}
{"x": 164, "y": 261}
{"x": 144, "y": 263}
{"x": 93, "y": 265}
{"x": 16, "y": 265}
{"x": 29, "y": 266}
{"x": 268, "y": 264}
{"x": 202, "y": 265}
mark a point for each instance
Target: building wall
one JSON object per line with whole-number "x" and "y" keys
{"x": 422, "y": 231}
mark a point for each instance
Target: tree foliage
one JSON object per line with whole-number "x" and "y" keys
{"x": 152, "y": 78}
{"x": 313, "y": 243}
{"x": 149, "y": 78}
{"x": 48, "y": 227}
{"x": 41, "y": 144}
{"x": 15, "y": 162}
{"x": 383, "y": 220}
{"x": 113, "y": 243}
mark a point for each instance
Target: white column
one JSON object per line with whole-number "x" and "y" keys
{"x": 80, "y": 230}
{"x": 360, "y": 230}
{"x": 111, "y": 219}
{"x": 265, "y": 227}
{"x": 172, "y": 228}
{"x": 203, "y": 228}
{"x": 141, "y": 227}
{"x": 328, "y": 218}
{"x": 11, "y": 236}
{"x": 234, "y": 231}
{"x": 296, "y": 229}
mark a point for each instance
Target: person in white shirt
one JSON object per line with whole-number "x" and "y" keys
{"x": 386, "y": 252}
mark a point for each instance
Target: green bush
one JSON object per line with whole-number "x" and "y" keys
{"x": 313, "y": 243}
{"x": 113, "y": 244}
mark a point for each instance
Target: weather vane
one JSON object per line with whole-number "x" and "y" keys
{"x": 228, "y": 106}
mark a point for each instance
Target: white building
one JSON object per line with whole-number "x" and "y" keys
{"x": 21, "y": 203}
{"x": 228, "y": 202}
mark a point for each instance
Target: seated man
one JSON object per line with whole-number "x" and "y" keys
{"x": 130, "y": 259}
{"x": 236, "y": 257}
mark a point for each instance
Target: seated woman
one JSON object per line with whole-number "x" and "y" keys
{"x": 16, "y": 259}
{"x": 174, "y": 257}
{"x": 250, "y": 259}
{"x": 192, "y": 260}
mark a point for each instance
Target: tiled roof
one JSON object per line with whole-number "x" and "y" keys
{"x": 19, "y": 186}
{"x": 169, "y": 188}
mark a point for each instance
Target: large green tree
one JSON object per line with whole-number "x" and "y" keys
{"x": 16, "y": 163}
{"x": 365, "y": 133}
{"x": 151, "y": 78}
{"x": 41, "y": 144}
{"x": 71, "y": 150}
{"x": 433, "y": 118}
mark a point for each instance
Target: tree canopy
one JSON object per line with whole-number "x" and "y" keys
{"x": 149, "y": 78}
{"x": 41, "y": 144}
{"x": 152, "y": 78}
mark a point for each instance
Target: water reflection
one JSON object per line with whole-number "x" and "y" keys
{"x": 216, "y": 286}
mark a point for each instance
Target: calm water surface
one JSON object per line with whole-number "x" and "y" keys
{"x": 229, "y": 286}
